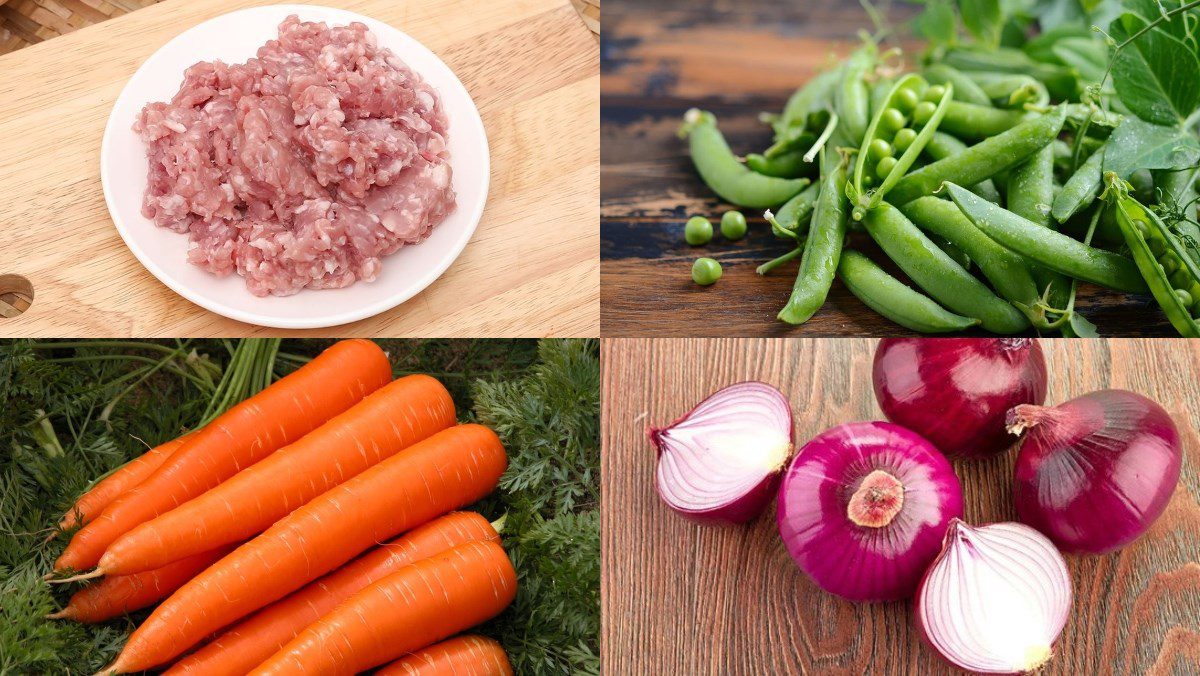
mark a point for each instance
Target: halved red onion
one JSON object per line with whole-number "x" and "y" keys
{"x": 863, "y": 508}
{"x": 996, "y": 598}
{"x": 955, "y": 392}
{"x": 721, "y": 460}
{"x": 1095, "y": 472}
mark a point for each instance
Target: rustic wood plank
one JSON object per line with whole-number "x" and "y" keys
{"x": 682, "y": 598}
{"x": 735, "y": 60}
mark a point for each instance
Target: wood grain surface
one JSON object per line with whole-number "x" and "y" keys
{"x": 683, "y": 598}
{"x": 531, "y": 269}
{"x": 658, "y": 60}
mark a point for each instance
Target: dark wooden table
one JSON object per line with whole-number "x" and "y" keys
{"x": 685, "y": 599}
{"x": 734, "y": 58}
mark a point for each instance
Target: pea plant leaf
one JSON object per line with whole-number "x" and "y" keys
{"x": 1137, "y": 144}
{"x": 936, "y": 23}
{"x": 1156, "y": 76}
{"x": 1182, "y": 27}
{"x": 983, "y": 18}
{"x": 1087, "y": 56}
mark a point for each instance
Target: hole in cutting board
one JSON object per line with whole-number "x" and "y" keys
{"x": 16, "y": 295}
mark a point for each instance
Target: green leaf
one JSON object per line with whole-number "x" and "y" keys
{"x": 1156, "y": 76}
{"x": 936, "y": 23}
{"x": 1137, "y": 144}
{"x": 1080, "y": 327}
{"x": 983, "y": 19}
{"x": 1087, "y": 56}
{"x": 1181, "y": 26}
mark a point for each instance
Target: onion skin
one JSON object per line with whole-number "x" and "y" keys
{"x": 955, "y": 392}
{"x": 1086, "y": 479}
{"x": 856, "y": 562}
{"x": 750, "y": 501}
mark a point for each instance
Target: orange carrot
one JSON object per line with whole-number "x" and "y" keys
{"x": 389, "y": 420}
{"x": 132, "y": 473}
{"x": 275, "y": 417}
{"x": 459, "y": 656}
{"x": 122, "y": 594}
{"x": 414, "y": 607}
{"x": 454, "y": 467}
{"x": 244, "y": 646}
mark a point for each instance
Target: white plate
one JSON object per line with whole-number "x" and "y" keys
{"x": 234, "y": 38}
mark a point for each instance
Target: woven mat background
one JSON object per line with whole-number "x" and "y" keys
{"x": 25, "y": 22}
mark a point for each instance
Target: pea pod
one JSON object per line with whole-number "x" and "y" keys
{"x": 1011, "y": 90}
{"x": 812, "y": 96}
{"x": 722, "y": 171}
{"x": 1081, "y": 189}
{"x": 894, "y": 299}
{"x": 937, "y": 274}
{"x": 965, "y": 89}
{"x": 969, "y": 120}
{"x": 851, "y": 99}
{"x": 792, "y": 219}
{"x": 943, "y": 145}
{"x": 1060, "y": 80}
{"x": 1171, "y": 274}
{"x": 1048, "y": 248}
{"x": 982, "y": 160}
{"x": 787, "y": 165}
{"x": 826, "y": 234}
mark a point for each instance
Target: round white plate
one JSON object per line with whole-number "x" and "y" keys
{"x": 234, "y": 38}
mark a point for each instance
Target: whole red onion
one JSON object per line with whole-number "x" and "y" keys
{"x": 863, "y": 508}
{"x": 955, "y": 392}
{"x": 1095, "y": 472}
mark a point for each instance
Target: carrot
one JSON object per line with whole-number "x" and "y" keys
{"x": 454, "y": 467}
{"x": 414, "y": 607}
{"x": 390, "y": 419}
{"x": 122, "y": 594}
{"x": 132, "y": 473}
{"x": 290, "y": 408}
{"x": 459, "y": 656}
{"x": 245, "y": 645}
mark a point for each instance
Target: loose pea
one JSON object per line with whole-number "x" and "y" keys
{"x": 705, "y": 271}
{"x": 698, "y": 231}
{"x": 1184, "y": 297}
{"x": 885, "y": 167}
{"x": 934, "y": 94}
{"x": 733, "y": 225}
{"x": 923, "y": 112}
{"x": 906, "y": 99}
{"x": 904, "y": 138}
{"x": 892, "y": 120}
{"x": 879, "y": 149}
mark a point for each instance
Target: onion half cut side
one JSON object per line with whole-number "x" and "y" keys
{"x": 721, "y": 460}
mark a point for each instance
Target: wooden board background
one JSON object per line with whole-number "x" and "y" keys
{"x": 682, "y": 598}
{"x": 531, "y": 269}
{"x": 735, "y": 59}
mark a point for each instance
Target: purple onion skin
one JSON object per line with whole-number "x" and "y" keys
{"x": 1096, "y": 496}
{"x": 955, "y": 392}
{"x": 862, "y": 563}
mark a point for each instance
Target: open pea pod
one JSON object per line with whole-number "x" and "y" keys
{"x": 877, "y": 153}
{"x": 1172, "y": 275}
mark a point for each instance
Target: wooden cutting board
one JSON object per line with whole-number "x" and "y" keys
{"x": 532, "y": 67}
{"x": 661, "y": 60}
{"x": 683, "y": 598}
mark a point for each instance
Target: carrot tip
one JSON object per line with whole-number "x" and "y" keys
{"x": 60, "y": 615}
{"x": 76, "y": 578}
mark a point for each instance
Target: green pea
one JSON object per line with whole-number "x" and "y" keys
{"x": 868, "y": 180}
{"x": 1157, "y": 246}
{"x": 934, "y": 94}
{"x": 698, "y": 231}
{"x": 733, "y": 225}
{"x": 906, "y": 99}
{"x": 1169, "y": 263}
{"x": 879, "y": 149}
{"x": 923, "y": 112}
{"x": 892, "y": 120}
{"x": 1142, "y": 227}
{"x": 706, "y": 271}
{"x": 1181, "y": 279}
{"x": 1184, "y": 297}
{"x": 904, "y": 138}
{"x": 885, "y": 167}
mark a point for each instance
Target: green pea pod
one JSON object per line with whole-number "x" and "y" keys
{"x": 722, "y": 171}
{"x": 1048, "y": 248}
{"x": 826, "y": 234}
{"x": 955, "y": 253}
{"x": 943, "y": 145}
{"x": 982, "y": 160}
{"x": 792, "y": 219}
{"x": 881, "y": 92}
{"x": 969, "y": 120}
{"x": 1030, "y": 193}
{"x": 965, "y": 89}
{"x": 812, "y": 96}
{"x": 787, "y": 165}
{"x": 852, "y": 101}
{"x": 894, "y": 299}
{"x": 1012, "y": 90}
{"x": 1155, "y": 249}
{"x": 937, "y": 274}
{"x": 1081, "y": 189}
{"x": 1007, "y": 272}
{"x": 1059, "y": 80}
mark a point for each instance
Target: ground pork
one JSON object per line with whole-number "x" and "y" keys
{"x": 302, "y": 167}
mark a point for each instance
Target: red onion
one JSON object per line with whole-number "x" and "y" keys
{"x": 863, "y": 508}
{"x": 1095, "y": 472}
{"x": 721, "y": 460}
{"x": 996, "y": 598}
{"x": 956, "y": 391}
